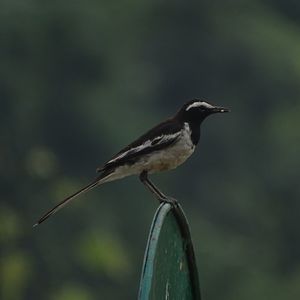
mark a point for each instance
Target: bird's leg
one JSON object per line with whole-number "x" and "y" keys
{"x": 153, "y": 189}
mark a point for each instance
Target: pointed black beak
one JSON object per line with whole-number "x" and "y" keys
{"x": 219, "y": 109}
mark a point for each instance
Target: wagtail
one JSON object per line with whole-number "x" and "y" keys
{"x": 162, "y": 148}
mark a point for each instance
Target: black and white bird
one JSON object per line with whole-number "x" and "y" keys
{"x": 164, "y": 147}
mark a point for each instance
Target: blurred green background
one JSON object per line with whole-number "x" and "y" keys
{"x": 81, "y": 79}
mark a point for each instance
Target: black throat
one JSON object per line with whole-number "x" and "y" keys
{"x": 194, "y": 119}
{"x": 195, "y": 128}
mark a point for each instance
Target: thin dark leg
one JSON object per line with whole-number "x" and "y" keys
{"x": 153, "y": 189}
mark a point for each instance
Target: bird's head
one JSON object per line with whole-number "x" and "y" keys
{"x": 197, "y": 110}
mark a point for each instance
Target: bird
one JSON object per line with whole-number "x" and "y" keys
{"x": 162, "y": 148}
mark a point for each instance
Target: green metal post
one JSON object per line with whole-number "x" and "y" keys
{"x": 169, "y": 269}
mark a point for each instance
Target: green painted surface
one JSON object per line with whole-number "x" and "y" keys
{"x": 169, "y": 270}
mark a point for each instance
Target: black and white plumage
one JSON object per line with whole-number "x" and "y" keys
{"x": 164, "y": 147}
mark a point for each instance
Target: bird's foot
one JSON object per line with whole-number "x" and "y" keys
{"x": 170, "y": 200}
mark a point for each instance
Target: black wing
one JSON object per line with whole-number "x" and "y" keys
{"x": 157, "y": 138}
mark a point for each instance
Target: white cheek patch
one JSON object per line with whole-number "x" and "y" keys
{"x": 198, "y": 104}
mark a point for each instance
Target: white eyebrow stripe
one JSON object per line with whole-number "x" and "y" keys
{"x": 148, "y": 144}
{"x": 198, "y": 104}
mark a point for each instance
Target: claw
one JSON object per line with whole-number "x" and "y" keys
{"x": 171, "y": 200}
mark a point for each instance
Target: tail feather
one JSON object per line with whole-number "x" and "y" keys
{"x": 56, "y": 208}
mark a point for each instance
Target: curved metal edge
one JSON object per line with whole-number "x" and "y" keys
{"x": 146, "y": 277}
{"x": 147, "y": 273}
{"x": 185, "y": 231}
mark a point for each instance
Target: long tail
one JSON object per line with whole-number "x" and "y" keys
{"x": 64, "y": 202}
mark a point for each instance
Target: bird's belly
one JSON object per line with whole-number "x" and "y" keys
{"x": 166, "y": 159}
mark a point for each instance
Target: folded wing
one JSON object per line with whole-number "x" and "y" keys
{"x": 159, "y": 137}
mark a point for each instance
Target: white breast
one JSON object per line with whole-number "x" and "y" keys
{"x": 170, "y": 157}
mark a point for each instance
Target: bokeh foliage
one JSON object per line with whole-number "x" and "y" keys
{"x": 79, "y": 80}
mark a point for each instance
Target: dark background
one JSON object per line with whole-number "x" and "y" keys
{"x": 81, "y": 79}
